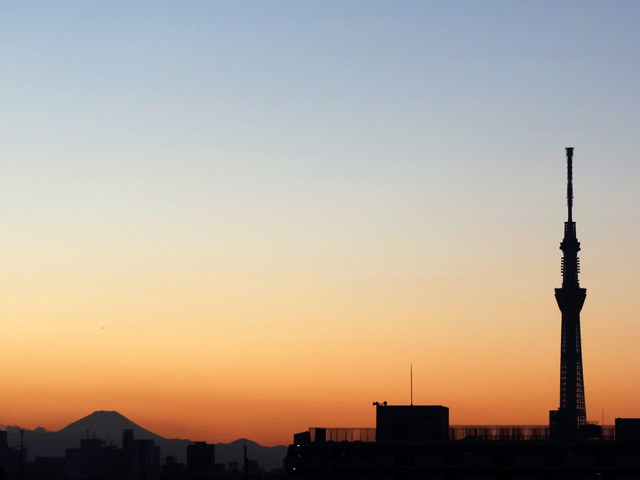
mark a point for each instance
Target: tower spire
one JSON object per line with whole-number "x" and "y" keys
{"x": 569, "y": 182}
{"x": 570, "y": 245}
{"x": 567, "y": 421}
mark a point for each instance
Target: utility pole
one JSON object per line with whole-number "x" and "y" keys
{"x": 246, "y": 462}
{"x": 22, "y": 454}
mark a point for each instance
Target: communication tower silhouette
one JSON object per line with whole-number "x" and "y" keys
{"x": 569, "y": 420}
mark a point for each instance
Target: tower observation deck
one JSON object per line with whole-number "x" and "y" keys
{"x": 569, "y": 420}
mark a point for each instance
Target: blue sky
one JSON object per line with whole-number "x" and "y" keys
{"x": 332, "y": 151}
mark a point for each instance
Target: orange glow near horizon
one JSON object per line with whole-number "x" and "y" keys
{"x": 272, "y": 378}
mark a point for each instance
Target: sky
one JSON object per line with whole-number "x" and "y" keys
{"x": 245, "y": 219}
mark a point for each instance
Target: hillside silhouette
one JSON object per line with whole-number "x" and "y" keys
{"x": 108, "y": 425}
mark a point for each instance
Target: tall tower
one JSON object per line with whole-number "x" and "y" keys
{"x": 568, "y": 421}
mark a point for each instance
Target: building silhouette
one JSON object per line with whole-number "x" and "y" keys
{"x": 94, "y": 460}
{"x": 138, "y": 459}
{"x": 201, "y": 458}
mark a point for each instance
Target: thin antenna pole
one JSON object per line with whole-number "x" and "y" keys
{"x": 246, "y": 461}
{"x": 569, "y": 151}
{"x": 22, "y": 454}
{"x": 412, "y": 384}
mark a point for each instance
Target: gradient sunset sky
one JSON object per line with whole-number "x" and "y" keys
{"x": 243, "y": 219}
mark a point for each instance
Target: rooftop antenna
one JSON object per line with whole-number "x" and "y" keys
{"x": 246, "y": 461}
{"x": 22, "y": 459}
{"x": 412, "y": 384}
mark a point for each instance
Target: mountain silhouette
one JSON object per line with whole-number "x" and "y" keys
{"x": 108, "y": 425}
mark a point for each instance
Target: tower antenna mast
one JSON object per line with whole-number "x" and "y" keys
{"x": 570, "y": 183}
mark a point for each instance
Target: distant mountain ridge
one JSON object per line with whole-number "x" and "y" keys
{"x": 108, "y": 425}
